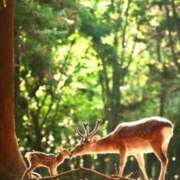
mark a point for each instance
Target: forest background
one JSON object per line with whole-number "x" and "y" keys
{"x": 79, "y": 60}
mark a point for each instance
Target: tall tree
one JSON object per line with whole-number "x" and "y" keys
{"x": 11, "y": 164}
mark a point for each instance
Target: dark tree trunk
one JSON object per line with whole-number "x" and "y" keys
{"x": 161, "y": 104}
{"x": 11, "y": 164}
{"x": 171, "y": 41}
{"x": 37, "y": 130}
{"x": 106, "y": 92}
{"x": 159, "y": 58}
{"x": 175, "y": 15}
{"x": 115, "y": 100}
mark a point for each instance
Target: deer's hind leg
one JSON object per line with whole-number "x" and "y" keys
{"x": 53, "y": 171}
{"x": 164, "y": 162}
{"x": 160, "y": 149}
{"x": 123, "y": 159}
{"x": 141, "y": 163}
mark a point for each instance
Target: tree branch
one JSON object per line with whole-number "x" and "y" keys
{"x": 125, "y": 26}
{"x": 48, "y": 111}
{"x": 85, "y": 170}
{"x": 132, "y": 51}
{"x": 124, "y": 30}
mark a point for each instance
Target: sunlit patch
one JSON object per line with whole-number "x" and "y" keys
{"x": 51, "y": 137}
{"x": 56, "y": 77}
{"x": 21, "y": 148}
{"x": 95, "y": 156}
{"x": 48, "y": 149}
{"x": 72, "y": 141}
{"x": 44, "y": 125}
{"x": 131, "y": 158}
{"x": 72, "y": 166}
{"x": 176, "y": 176}
{"x": 43, "y": 132}
{"x": 40, "y": 91}
{"x": 43, "y": 139}
{"x": 173, "y": 158}
{"x": 63, "y": 141}
{"x": 81, "y": 162}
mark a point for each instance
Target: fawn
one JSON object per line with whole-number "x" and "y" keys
{"x": 39, "y": 159}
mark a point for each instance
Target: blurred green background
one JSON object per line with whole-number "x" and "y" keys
{"x": 80, "y": 60}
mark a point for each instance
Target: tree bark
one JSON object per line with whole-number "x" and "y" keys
{"x": 11, "y": 163}
{"x": 162, "y": 95}
{"x": 115, "y": 97}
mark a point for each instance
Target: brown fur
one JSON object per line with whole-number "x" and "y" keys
{"x": 134, "y": 138}
{"x": 39, "y": 159}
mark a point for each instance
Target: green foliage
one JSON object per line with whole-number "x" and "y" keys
{"x": 77, "y": 61}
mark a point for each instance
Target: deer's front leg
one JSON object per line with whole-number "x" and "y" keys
{"x": 53, "y": 171}
{"x": 27, "y": 173}
{"x": 122, "y": 163}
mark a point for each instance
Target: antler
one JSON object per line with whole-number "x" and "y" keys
{"x": 79, "y": 133}
{"x": 87, "y": 134}
{"x": 93, "y": 132}
{"x": 86, "y": 131}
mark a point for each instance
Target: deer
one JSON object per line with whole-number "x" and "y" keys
{"x": 136, "y": 138}
{"x": 39, "y": 159}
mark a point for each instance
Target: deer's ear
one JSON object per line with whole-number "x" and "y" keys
{"x": 95, "y": 138}
{"x": 59, "y": 149}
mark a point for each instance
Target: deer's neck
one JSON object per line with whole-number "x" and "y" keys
{"x": 102, "y": 146}
{"x": 59, "y": 158}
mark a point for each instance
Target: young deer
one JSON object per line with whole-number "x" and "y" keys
{"x": 50, "y": 161}
{"x": 147, "y": 135}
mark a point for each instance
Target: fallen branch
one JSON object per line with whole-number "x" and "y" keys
{"x": 86, "y": 170}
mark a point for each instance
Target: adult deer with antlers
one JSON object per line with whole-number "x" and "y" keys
{"x": 50, "y": 161}
{"x": 148, "y": 135}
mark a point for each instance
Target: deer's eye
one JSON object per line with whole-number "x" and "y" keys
{"x": 86, "y": 141}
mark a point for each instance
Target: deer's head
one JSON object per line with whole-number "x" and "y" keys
{"x": 87, "y": 139}
{"x": 63, "y": 154}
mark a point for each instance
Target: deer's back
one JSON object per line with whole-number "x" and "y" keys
{"x": 142, "y": 128}
{"x": 139, "y": 135}
{"x": 39, "y": 158}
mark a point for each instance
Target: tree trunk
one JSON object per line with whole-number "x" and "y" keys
{"x": 11, "y": 164}
{"x": 161, "y": 103}
{"x": 115, "y": 100}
